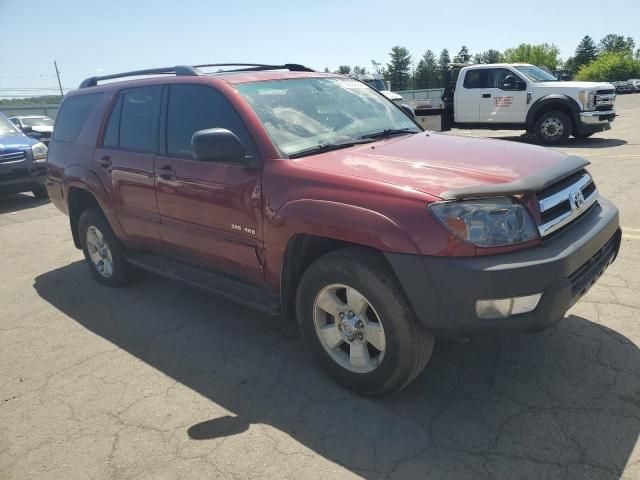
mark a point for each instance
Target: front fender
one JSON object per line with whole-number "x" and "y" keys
{"x": 557, "y": 99}
{"x": 340, "y": 221}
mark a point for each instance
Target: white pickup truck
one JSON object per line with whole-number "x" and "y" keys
{"x": 525, "y": 97}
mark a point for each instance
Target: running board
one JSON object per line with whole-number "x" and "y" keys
{"x": 223, "y": 285}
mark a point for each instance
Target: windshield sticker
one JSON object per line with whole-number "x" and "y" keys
{"x": 349, "y": 83}
{"x": 503, "y": 101}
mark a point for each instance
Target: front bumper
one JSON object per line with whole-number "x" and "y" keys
{"x": 21, "y": 176}
{"x": 443, "y": 290}
{"x": 596, "y": 121}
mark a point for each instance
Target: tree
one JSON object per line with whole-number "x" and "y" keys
{"x": 344, "y": 70}
{"x": 489, "y": 56}
{"x": 610, "y": 67}
{"x": 358, "y": 70}
{"x": 326, "y": 69}
{"x": 543, "y": 55}
{"x": 463, "y": 55}
{"x": 586, "y": 52}
{"x": 427, "y": 71}
{"x": 443, "y": 63}
{"x": 398, "y": 68}
{"x": 613, "y": 43}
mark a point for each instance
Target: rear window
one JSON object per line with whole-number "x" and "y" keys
{"x": 73, "y": 114}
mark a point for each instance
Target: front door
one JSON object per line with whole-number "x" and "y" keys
{"x": 502, "y": 103}
{"x": 125, "y": 161}
{"x": 210, "y": 212}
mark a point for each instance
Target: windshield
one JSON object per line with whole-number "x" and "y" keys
{"x": 6, "y": 127}
{"x": 38, "y": 122}
{"x": 376, "y": 83}
{"x": 535, "y": 74}
{"x": 300, "y": 114}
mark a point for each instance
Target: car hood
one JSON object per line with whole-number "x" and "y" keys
{"x": 577, "y": 85}
{"x": 15, "y": 143}
{"x": 433, "y": 163}
{"x": 42, "y": 128}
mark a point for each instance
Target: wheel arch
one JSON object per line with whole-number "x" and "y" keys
{"x": 563, "y": 103}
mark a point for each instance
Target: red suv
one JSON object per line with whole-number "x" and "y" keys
{"x": 310, "y": 194}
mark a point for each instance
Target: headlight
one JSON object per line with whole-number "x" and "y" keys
{"x": 39, "y": 151}
{"x": 587, "y": 99}
{"x": 490, "y": 222}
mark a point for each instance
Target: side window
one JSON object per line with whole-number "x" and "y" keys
{"x": 112, "y": 132}
{"x": 497, "y": 77}
{"x": 475, "y": 78}
{"x": 139, "y": 113}
{"x": 73, "y": 114}
{"x": 195, "y": 107}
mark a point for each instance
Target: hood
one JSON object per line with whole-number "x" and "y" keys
{"x": 434, "y": 163}
{"x": 42, "y": 129}
{"x": 577, "y": 85}
{"x": 15, "y": 143}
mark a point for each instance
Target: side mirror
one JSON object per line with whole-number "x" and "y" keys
{"x": 408, "y": 110}
{"x": 217, "y": 145}
{"x": 511, "y": 82}
{"x": 26, "y": 129}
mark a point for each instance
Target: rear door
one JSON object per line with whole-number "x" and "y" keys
{"x": 499, "y": 103}
{"x": 468, "y": 94}
{"x": 126, "y": 161}
{"x": 210, "y": 212}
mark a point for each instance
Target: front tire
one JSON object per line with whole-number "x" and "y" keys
{"x": 40, "y": 192}
{"x": 553, "y": 128}
{"x": 357, "y": 325}
{"x": 102, "y": 249}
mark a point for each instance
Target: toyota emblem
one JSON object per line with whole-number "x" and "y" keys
{"x": 578, "y": 199}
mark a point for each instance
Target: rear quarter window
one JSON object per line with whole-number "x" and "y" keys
{"x": 73, "y": 114}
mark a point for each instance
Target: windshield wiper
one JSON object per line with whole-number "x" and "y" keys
{"x": 388, "y": 133}
{"x": 327, "y": 147}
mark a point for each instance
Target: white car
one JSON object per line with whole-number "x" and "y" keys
{"x": 35, "y": 126}
{"x": 525, "y": 97}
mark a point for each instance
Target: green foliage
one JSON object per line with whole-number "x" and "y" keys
{"x": 543, "y": 55}
{"x": 610, "y": 67}
{"x": 358, "y": 70}
{"x": 586, "y": 52}
{"x": 398, "y": 68}
{"x": 46, "y": 100}
{"x": 613, "y": 43}
{"x": 427, "y": 71}
{"x": 344, "y": 69}
{"x": 489, "y": 56}
{"x": 463, "y": 55}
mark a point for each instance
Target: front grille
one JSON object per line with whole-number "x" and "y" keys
{"x": 12, "y": 157}
{"x": 589, "y": 272}
{"x": 606, "y": 92}
{"x": 15, "y": 174}
{"x": 565, "y": 201}
{"x": 603, "y": 108}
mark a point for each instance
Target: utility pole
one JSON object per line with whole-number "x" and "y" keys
{"x": 58, "y": 75}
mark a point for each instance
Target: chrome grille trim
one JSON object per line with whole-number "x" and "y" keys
{"x": 567, "y": 195}
{"x": 12, "y": 157}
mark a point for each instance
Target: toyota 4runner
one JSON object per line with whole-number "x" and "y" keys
{"x": 312, "y": 195}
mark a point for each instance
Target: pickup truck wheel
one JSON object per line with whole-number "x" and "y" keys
{"x": 553, "y": 128}
{"x": 103, "y": 251}
{"x": 359, "y": 328}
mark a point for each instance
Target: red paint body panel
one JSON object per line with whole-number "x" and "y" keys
{"x": 374, "y": 195}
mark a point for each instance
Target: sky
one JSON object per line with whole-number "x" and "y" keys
{"x": 90, "y": 38}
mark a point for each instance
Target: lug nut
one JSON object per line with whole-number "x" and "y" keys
{"x": 341, "y": 315}
{"x": 351, "y": 314}
{"x": 350, "y": 338}
{"x": 360, "y": 336}
{"x": 359, "y": 324}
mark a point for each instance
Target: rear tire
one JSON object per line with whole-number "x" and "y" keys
{"x": 553, "y": 128}
{"x": 40, "y": 192}
{"x": 102, "y": 249}
{"x": 371, "y": 343}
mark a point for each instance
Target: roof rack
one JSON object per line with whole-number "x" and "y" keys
{"x": 188, "y": 70}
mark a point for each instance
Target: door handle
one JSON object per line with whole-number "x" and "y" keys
{"x": 105, "y": 161}
{"x": 167, "y": 172}
{"x": 486, "y": 95}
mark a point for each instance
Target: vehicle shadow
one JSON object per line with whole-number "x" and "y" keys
{"x": 594, "y": 142}
{"x": 20, "y": 201}
{"x": 564, "y": 403}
